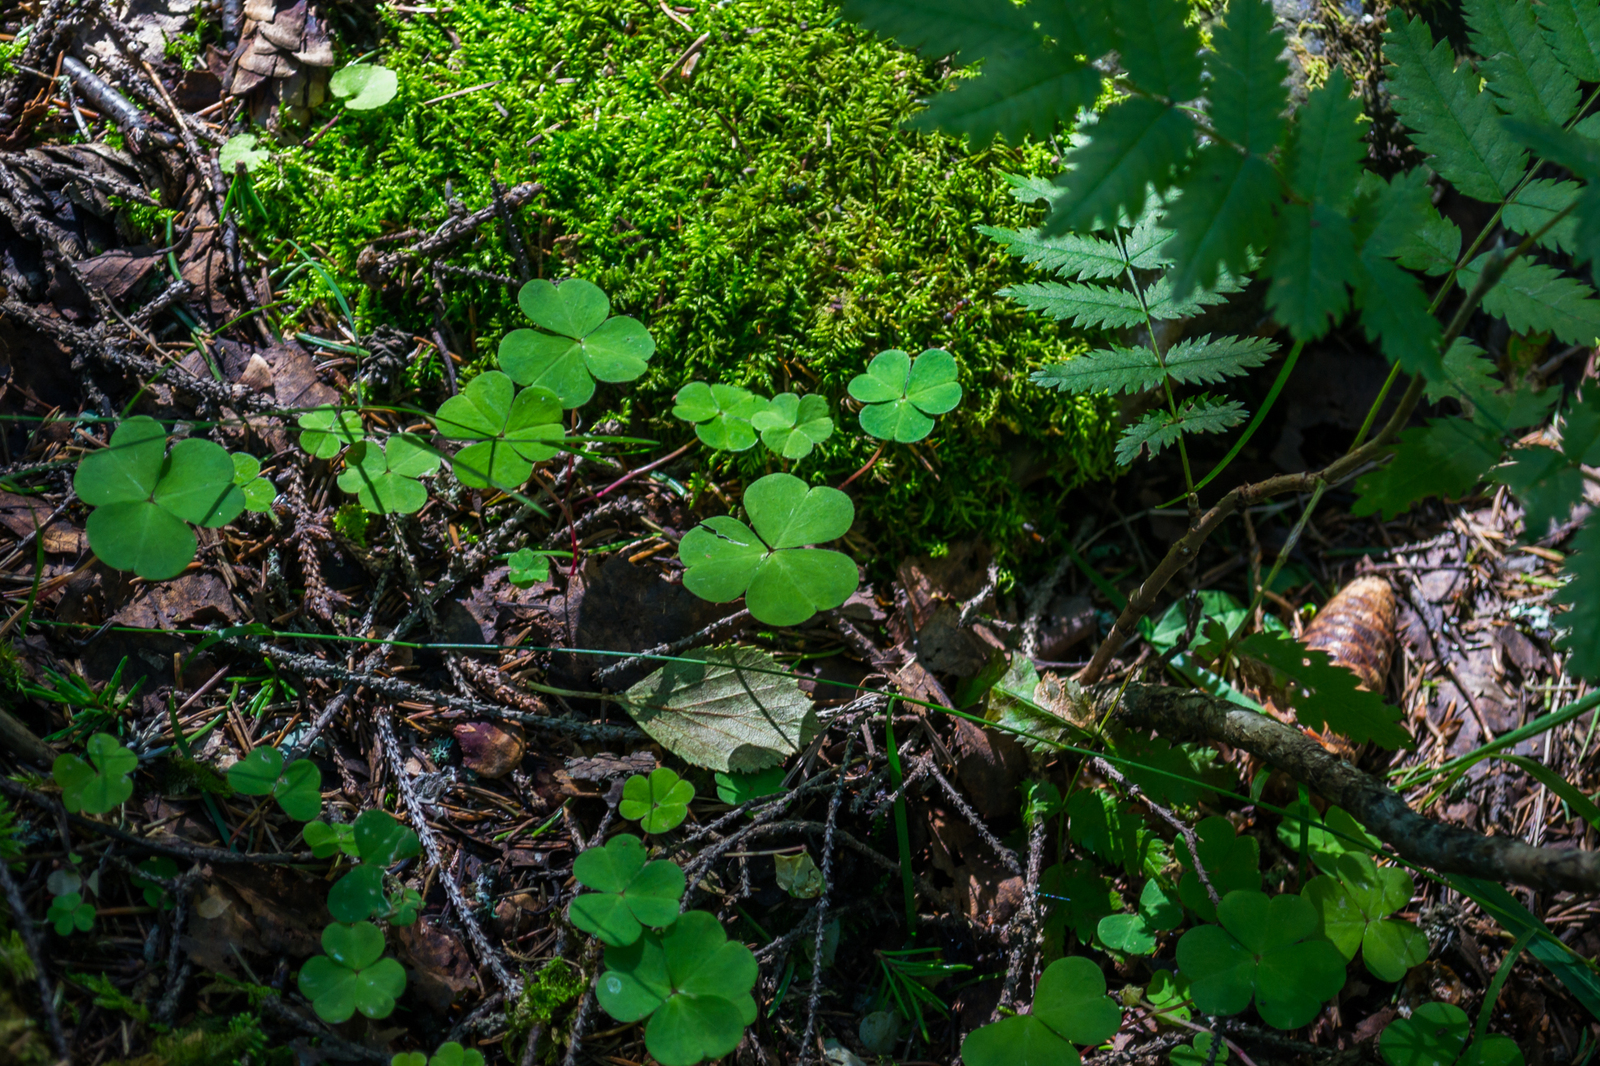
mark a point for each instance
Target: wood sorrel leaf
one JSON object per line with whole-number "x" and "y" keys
{"x": 784, "y": 582}
{"x": 658, "y": 802}
{"x": 901, "y": 394}
{"x": 630, "y": 892}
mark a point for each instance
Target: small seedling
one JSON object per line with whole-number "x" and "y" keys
{"x": 102, "y": 783}
{"x": 448, "y": 1054}
{"x": 1354, "y": 908}
{"x": 144, "y": 498}
{"x": 258, "y": 491}
{"x": 68, "y": 911}
{"x": 577, "y": 342}
{"x": 690, "y": 981}
{"x": 1198, "y": 1052}
{"x": 353, "y": 975}
{"x": 514, "y": 429}
{"x": 364, "y": 86}
{"x": 297, "y": 787}
{"x": 381, "y": 841}
{"x": 723, "y": 415}
{"x": 659, "y": 802}
{"x": 1070, "y": 1006}
{"x": 1436, "y": 1034}
{"x": 1135, "y": 934}
{"x": 154, "y": 894}
{"x": 528, "y": 567}
{"x": 241, "y": 148}
{"x": 327, "y": 430}
{"x": 784, "y": 581}
{"x": 793, "y": 425}
{"x": 798, "y": 875}
{"x": 629, "y": 891}
{"x": 1231, "y": 861}
{"x": 1168, "y": 993}
{"x": 1267, "y": 950}
{"x": 902, "y": 394}
{"x": 384, "y": 476}
{"x": 739, "y": 789}
{"x": 326, "y": 839}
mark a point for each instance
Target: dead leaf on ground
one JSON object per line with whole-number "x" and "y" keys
{"x": 490, "y": 749}
{"x": 440, "y": 967}
{"x": 990, "y": 765}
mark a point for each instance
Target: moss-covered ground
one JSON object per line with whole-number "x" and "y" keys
{"x": 768, "y": 217}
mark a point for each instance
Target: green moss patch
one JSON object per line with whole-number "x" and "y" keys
{"x": 767, "y": 217}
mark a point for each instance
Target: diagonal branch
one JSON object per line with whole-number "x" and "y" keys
{"x": 1195, "y": 715}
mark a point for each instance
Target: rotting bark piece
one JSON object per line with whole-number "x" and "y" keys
{"x": 1356, "y": 629}
{"x": 490, "y": 749}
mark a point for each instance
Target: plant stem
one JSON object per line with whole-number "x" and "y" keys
{"x": 901, "y": 831}
{"x": 846, "y": 482}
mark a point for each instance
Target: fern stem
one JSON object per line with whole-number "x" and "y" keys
{"x": 1161, "y": 361}
{"x": 1372, "y": 412}
{"x": 1255, "y": 422}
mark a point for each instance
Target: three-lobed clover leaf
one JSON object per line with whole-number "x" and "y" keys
{"x": 1135, "y": 934}
{"x": 241, "y": 148}
{"x": 630, "y": 892}
{"x": 144, "y": 497}
{"x": 102, "y": 783}
{"x": 325, "y": 839}
{"x": 383, "y": 840}
{"x": 1436, "y": 1034}
{"x": 577, "y": 342}
{"x": 739, "y": 789}
{"x": 792, "y": 425}
{"x": 297, "y": 787}
{"x": 690, "y": 981}
{"x": 353, "y": 975}
{"x": 327, "y": 430}
{"x": 68, "y": 911}
{"x": 447, "y": 1054}
{"x": 783, "y": 580}
{"x": 154, "y": 894}
{"x": 514, "y": 430}
{"x": 658, "y": 802}
{"x": 383, "y": 476}
{"x": 364, "y": 86}
{"x": 1070, "y": 1006}
{"x": 723, "y": 414}
{"x": 1354, "y": 908}
{"x": 258, "y": 491}
{"x": 1267, "y": 950}
{"x": 901, "y": 394}
{"x": 528, "y": 567}
{"x": 1231, "y": 861}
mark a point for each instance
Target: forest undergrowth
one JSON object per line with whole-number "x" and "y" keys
{"x": 918, "y": 533}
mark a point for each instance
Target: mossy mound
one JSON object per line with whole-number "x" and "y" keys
{"x": 766, "y": 216}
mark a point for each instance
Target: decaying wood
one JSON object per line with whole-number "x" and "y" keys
{"x": 1188, "y": 715}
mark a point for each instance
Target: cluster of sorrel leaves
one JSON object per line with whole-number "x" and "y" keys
{"x": 507, "y": 421}
{"x": 353, "y": 975}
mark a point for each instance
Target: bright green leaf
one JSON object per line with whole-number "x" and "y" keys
{"x": 659, "y": 802}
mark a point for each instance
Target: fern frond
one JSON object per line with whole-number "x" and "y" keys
{"x": 1467, "y": 371}
{"x": 1546, "y": 483}
{"x": 1158, "y": 429}
{"x": 1146, "y": 244}
{"x": 1581, "y": 595}
{"x": 1535, "y": 298}
{"x": 1135, "y": 144}
{"x": 1247, "y": 92}
{"x": 1325, "y": 156}
{"x": 1579, "y": 151}
{"x": 939, "y": 27}
{"x": 1079, "y": 27}
{"x": 1027, "y": 190}
{"x": 1536, "y": 204}
{"x": 1165, "y": 307}
{"x": 1432, "y": 246}
{"x": 1085, "y": 306}
{"x": 1453, "y": 123}
{"x": 1204, "y": 361}
{"x": 1071, "y": 255}
{"x": 1225, "y": 205}
{"x": 1446, "y": 457}
{"x": 1158, "y": 48}
{"x": 1312, "y": 266}
{"x": 1110, "y": 370}
{"x": 1573, "y": 29}
{"x": 1521, "y": 69}
{"x": 1394, "y": 312}
{"x": 1019, "y": 94}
